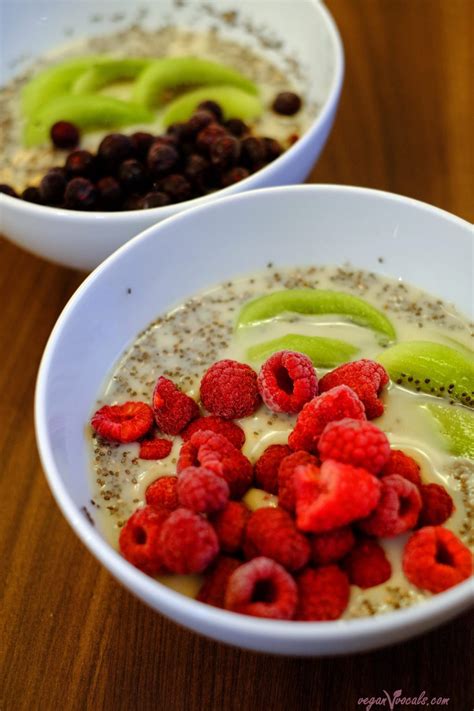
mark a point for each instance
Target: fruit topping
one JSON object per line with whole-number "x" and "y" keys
{"x": 286, "y": 103}
{"x": 437, "y": 505}
{"x": 397, "y": 510}
{"x": 323, "y": 352}
{"x": 286, "y": 474}
{"x": 162, "y": 493}
{"x": 323, "y": 594}
{"x": 229, "y": 389}
{"x": 212, "y": 423}
{"x": 188, "y": 542}
{"x": 172, "y": 409}
{"x": 331, "y": 546}
{"x": 155, "y": 448}
{"x": 267, "y": 466}
{"x": 139, "y": 540}
{"x": 201, "y": 490}
{"x": 355, "y": 442}
{"x": 64, "y": 134}
{"x": 215, "y": 584}
{"x": 456, "y": 426}
{"x": 435, "y": 559}
{"x": 123, "y": 423}
{"x": 287, "y": 381}
{"x": 230, "y": 524}
{"x": 403, "y": 465}
{"x": 367, "y": 564}
{"x": 366, "y": 378}
{"x": 271, "y": 532}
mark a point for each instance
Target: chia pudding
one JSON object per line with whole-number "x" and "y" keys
{"x": 183, "y": 343}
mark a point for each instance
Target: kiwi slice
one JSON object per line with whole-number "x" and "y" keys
{"x": 323, "y": 352}
{"x": 171, "y": 72}
{"x": 456, "y": 425}
{"x": 234, "y": 103}
{"x": 431, "y": 368}
{"x": 105, "y": 72}
{"x": 87, "y": 111}
{"x": 316, "y": 301}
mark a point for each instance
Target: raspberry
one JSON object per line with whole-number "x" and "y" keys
{"x": 267, "y": 465}
{"x": 230, "y": 524}
{"x": 435, "y": 559}
{"x": 213, "y": 589}
{"x": 333, "y": 496}
{"x": 336, "y": 404}
{"x": 355, "y": 442}
{"x": 229, "y": 389}
{"x": 397, "y": 510}
{"x": 323, "y": 593}
{"x": 271, "y": 532}
{"x": 201, "y": 490}
{"x": 286, "y": 472}
{"x": 173, "y": 409}
{"x": 162, "y": 492}
{"x": 367, "y": 564}
{"x": 437, "y": 505}
{"x": 155, "y": 448}
{"x": 365, "y": 377}
{"x": 139, "y": 539}
{"x": 332, "y": 546}
{"x": 230, "y": 430}
{"x": 403, "y": 465}
{"x": 287, "y": 381}
{"x": 262, "y": 588}
{"x": 188, "y": 542}
{"x": 123, "y": 423}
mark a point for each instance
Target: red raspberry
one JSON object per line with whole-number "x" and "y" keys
{"x": 267, "y": 465}
{"x": 367, "y": 565}
{"x": 229, "y": 389}
{"x": 332, "y": 546}
{"x": 355, "y": 442}
{"x": 123, "y": 423}
{"x": 215, "y": 584}
{"x": 336, "y": 404}
{"x": 403, "y": 465}
{"x": 162, "y": 492}
{"x": 323, "y": 593}
{"x": 173, "y": 409}
{"x": 262, "y": 588}
{"x": 211, "y": 423}
{"x": 188, "y": 542}
{"x": 365, "y": 377}
{"x": 437, "y": 505}
{"x": 286, "y": 473}
{"x": 435, "y": 559}
{"x": 271, "y": 532}
{"x": 397, "y": 510}
{"x": 230, "y": 525}
{"x": 333, "y": 496}
{"x": 201, "y": 490}
{"x": 287, "y": 381}
{"x": 155, "y": 448}
{"x": 139, "y": 540}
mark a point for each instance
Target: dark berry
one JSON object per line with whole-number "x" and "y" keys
{"x": 155, "y": 199}
{"x": 252, "y": 151}
{"x": 197, "y": 169}
{"x": 177, "y": 187}
{"x": 133, "y": 202}
{"x": 141, "y": 143}
{"x": 64, "y": 134}
{"x": 110, "y": 194}
{"x": 80, "y": 164}
{"x": 286, "y": 103}
{"x": 32, "y": 195}
{"x": 236, "y": 127}
{"x": 176, "y": 131}
{"x": 234, "y": 175}
{"x": 81, "y": 194}
{"x": 213, "y": 107}
{"x": 114, "y": 149}
{"x": 292, "y": 138}
{"x": 273, "y": 148}
{"x": 52, "y": 187}
{"x": 161, "y": 158}
{"x": 208, "y": 136}
{"x": 7, "y": 190}
{"x": 225, "y": 151}
{"x": 198, "y": 121}
{"x": 132, "y": 176}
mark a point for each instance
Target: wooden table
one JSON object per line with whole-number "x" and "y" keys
{"x": 72, "y": 637}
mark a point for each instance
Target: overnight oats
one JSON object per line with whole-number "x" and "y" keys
{"x": 196, "y": 113}
{"x": 296, "y": 444}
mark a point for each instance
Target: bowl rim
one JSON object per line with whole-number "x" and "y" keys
{"x": 128, "y": 216}
{"x": 170, "y": 602}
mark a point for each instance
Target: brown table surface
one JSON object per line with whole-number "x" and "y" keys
{"x": 72, "y": 637}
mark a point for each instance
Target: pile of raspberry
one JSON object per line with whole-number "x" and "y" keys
{"x": 340, "y": 489}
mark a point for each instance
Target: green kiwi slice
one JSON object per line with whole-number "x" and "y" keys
{"x": 431, "y": 368}
{"x": 234, "y": 102}
{"x": 323, "y": 352}
{"x": 456, "y": 425}
{"x": 316, "y": 301}
{"x": 105, "y": 72}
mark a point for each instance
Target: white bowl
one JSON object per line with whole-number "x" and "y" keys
{"x": 197, "y": 249}
{"x": 82, "y": 240}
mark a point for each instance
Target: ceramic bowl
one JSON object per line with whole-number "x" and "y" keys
{"x": 82, "y": 240}
{"x": 298, "y": 225}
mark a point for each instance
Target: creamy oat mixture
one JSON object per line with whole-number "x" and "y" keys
{"x": 21, "y": 166}
{"x": 185, "y": 342}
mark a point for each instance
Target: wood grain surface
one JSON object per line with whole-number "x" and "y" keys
{"x": 70, "y": 636}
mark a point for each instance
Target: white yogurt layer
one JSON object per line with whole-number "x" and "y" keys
{"x": 185, "y": 342}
